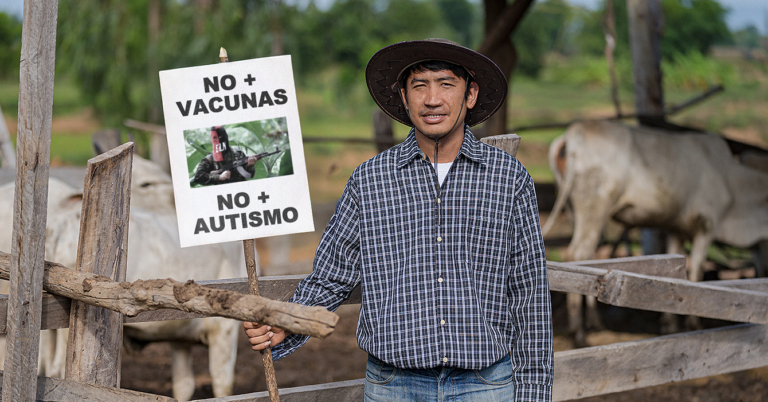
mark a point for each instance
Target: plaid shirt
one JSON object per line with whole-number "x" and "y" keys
{"x": 457, "y": 281}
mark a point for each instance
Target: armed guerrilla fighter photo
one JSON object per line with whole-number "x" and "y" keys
{"x": 230, "y": 153}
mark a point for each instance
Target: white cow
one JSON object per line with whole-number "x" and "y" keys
{"x": 61, "y": 197}
{"x": 154, "y": 252}
{"x": 687, "y": 183}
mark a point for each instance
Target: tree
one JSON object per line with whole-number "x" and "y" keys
{"x": 459, "y": 15}
{"x": 688, "y": 25}
{"x": 692, "y": 25}
{"x": 747, "y": 38}
{"x": 542, "y": 31}
{"x": 105, "y": 45}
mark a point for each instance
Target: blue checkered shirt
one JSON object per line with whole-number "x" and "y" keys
{"x": 458, "y": 281}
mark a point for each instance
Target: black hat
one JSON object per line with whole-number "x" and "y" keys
{"x": 385, "y": 67}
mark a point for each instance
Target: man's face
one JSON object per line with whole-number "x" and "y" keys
{"x": 435, "y": 101}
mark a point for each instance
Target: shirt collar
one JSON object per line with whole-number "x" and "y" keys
{"x": 470, "y": 148}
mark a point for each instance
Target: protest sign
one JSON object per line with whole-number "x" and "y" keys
{"x": 237, "y": 158}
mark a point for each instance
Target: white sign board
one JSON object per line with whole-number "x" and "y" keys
{"x": 217, "y": 118}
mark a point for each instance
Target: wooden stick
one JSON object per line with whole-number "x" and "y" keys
{"x": 132, "y": 298}
{"x": 249, "y": 247}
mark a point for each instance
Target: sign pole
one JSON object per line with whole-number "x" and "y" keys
{"x": 249, "y": 248}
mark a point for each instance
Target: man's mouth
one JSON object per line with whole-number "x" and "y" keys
{"x": 433, "y": 118}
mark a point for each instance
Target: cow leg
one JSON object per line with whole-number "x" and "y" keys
{"x": 701, "y": 243}
{"x": 181, "y": 370}
{"x": 222, "y": 353}
{"x": 575, "y": 322}
{"x": 53, "y": 353}
{"x": 699, "y": 247}
{"x": 47, "y": 351}
{"x": 669, "y": 323}
{"x": 60, "y": 354}
{"x": 588, "y": 225}
{"x": 2, "y": 352}
{"x": 593, "y": 320}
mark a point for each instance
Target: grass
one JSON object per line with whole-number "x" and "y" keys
{"x": 70, "y": 149}
{"x": 66, "y": 97}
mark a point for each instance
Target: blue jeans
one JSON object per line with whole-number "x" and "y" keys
{"x": 386, "y": 383}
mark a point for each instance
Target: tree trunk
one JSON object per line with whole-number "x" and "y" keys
{"x": 501, "y": 20}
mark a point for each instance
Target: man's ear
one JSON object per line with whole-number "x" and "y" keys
{"x": 403, "y": 98}
{"x": 474, "y": 90}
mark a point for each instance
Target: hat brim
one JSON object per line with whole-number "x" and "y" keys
{"x": 386, "y": 65}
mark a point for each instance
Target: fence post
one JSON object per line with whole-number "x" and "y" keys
{"x": 38, "y": 50}
{"x": 506, "y": 142}
{"x": 96, "y": 333}
{"x": 382, "y": 130}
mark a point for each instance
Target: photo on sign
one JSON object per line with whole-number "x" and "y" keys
{"x": 238, "y": 152}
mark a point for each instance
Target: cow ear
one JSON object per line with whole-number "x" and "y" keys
{"x": 73, "y": 199}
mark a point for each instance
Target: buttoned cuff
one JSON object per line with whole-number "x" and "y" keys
{"x": 291, "y": 343}
{"x": 533, "y": 392}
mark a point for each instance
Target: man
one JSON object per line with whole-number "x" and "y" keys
{"x": 223, "y": 156}
{"x": 449, "y": 257}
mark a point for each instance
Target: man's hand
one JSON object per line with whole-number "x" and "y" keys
{"x": 252, "y": 160}
{"x": 261, "y": 336}
{"x": 224, "y": 176}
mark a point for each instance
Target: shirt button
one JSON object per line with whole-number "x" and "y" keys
{"x": 438, "y": 200}
{"x": 445, "y": 360}
{"x": 439, "y": 239}
{"x": 442, "y": 322}
{"x": 440, "y": 280}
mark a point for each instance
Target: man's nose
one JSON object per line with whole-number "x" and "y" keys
{"x": 433, "y": 97}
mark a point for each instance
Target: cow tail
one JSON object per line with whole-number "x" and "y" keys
{"x": 564, "y": 187}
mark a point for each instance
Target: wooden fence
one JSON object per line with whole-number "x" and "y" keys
{"x": 650, "y": 283}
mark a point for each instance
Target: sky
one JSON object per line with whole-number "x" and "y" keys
{"x": 743, "y": 12}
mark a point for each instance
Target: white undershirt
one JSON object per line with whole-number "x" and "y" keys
{"x": 442, "y": 171}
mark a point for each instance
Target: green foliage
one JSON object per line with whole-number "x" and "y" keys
{"x": 694, "y": 71}
{"x": 459, "y": 15}
{"x": 540, "y": 32}
{"x": 590, "y": 39}
{"x": 106, "y": 46}
{"x": 114, "y": 54}
{"x": 688, "y": 25}
{"x": 10, "y": 46}
{"x": 692, "y": 25}
{"x": 584, "y": 71}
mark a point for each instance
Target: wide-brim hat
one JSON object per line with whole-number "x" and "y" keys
{"x": 385, "y": 67}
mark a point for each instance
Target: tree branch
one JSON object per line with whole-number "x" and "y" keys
{"x": 132, "y": 298}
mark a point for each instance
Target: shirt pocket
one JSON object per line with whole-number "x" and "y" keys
{"x": 489, "y": 241}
